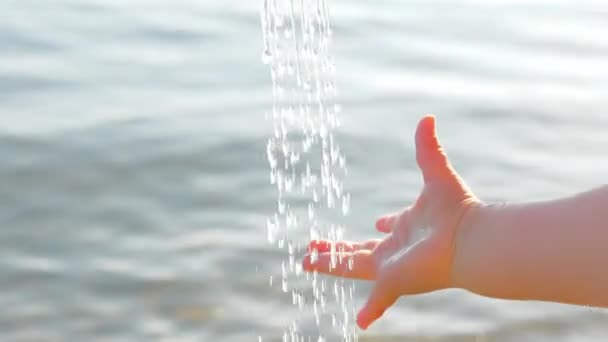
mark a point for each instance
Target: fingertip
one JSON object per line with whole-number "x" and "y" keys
{"x": 385, "y": 224}
{"x": 311, "y": 246}
{"x": 430, "y": 155}
{"x": 381, "y": 224}
{"x": 319, "y": 246}
{"x": 426, "y": 131}
{"x": 380, "y": 299}
{"x": 361, "y": 323}
{"x": 430, "y": 118}
{"x": 307, "y": 263}
{"x": 364, "y": 319}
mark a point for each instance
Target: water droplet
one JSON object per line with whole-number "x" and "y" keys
{"x": 315, "y": 195}
{"x": 314, "y": 256}
{"x": 314, "y": 233}
{"x": 272, "y": 159}
{"x": 323, "y": 303}
{"x": 296, "y": 45}
{"x": 284, "y": 277}
{"x": 292, "y": 263}
{"x": 281, "y": 70}
{"x": 311, "y": 211}
{"x": 266, "y": 56}
{"x": 271, "y": 229}
{"x": 330, "y": 199}
{"x": 333, "y": 256}
{"x": 342, "y": 161}
{"x": 336, "y": 292}
{"x": 345, "y": 204}
{"x": 290, "y": 220}
{"x": 323, "y": 131}
{"x": 273, "y": 176}
{"x": 294, "y": 158}
{"x": 290, "y": 69}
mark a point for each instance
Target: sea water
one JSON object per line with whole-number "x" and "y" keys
{"x": 306, "y": 163}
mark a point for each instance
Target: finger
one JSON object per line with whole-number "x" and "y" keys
{"x": 370, "y": 244}
{"x": 386, "y": 223}
{"x": 380, "y": 299}
{"x": 361, "y": 267}
{"x": 431, "y": 157}
{"x": 322, "y": 246}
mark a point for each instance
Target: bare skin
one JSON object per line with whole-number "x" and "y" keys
{"x": 502, "y": 251}
{"x": 424, "y": 267}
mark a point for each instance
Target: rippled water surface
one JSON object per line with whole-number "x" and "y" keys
{"x": 135, "y": 187}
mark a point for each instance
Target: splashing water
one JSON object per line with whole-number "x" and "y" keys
{"x": 307, "y": 165}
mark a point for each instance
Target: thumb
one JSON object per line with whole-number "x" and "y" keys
{"x": 380, "y": 299}
{"x": 431, "y": 157}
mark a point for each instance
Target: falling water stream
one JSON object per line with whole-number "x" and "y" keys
{"x": 307, "y": 165}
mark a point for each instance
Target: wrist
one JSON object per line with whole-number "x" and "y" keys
{"x": 465, "y": 246}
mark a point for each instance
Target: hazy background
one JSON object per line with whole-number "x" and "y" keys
{"x": 134, "y": 186}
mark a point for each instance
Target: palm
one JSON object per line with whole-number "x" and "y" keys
{"x": 419, "y": 250}
{"x": 416, "y": 255}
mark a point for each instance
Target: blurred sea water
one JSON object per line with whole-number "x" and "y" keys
{"x": 135, "y": 187}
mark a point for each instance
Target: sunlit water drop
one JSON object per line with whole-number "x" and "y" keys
{"x": 307, "y": 165}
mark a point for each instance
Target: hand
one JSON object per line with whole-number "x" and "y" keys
{"x": 403, "y": 263}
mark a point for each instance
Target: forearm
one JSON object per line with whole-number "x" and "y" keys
{"x": 553, "y": 251}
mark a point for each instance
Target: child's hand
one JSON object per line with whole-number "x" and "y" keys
{"x": 402, "y": 263}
